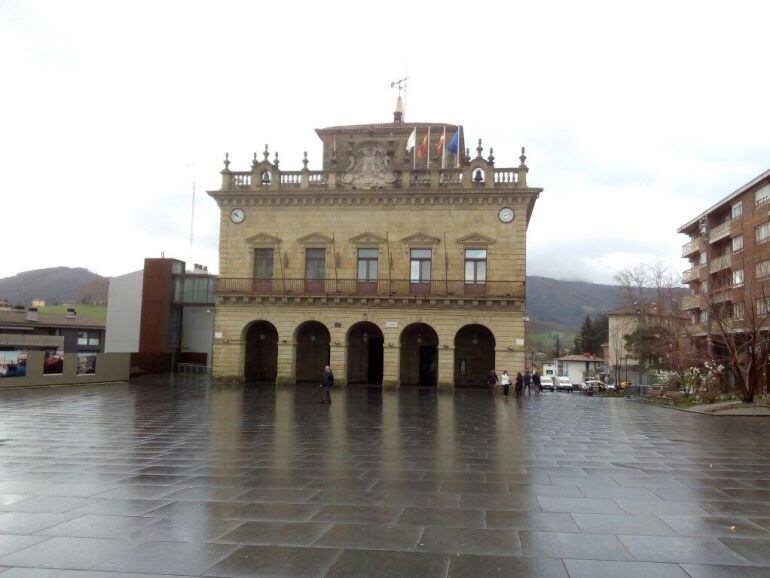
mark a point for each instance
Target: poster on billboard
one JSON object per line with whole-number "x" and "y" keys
{"x": 86, "y": 363}
{"x": 53, "y": 362}
{"x": 13, "y": 363}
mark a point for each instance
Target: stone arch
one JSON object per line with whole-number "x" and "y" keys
{"x": 365, "y": 353}
{"x": 474, "y": 355}
{"x": 261, "y": 355}
{"x": 419, "y": 355}
{"x": 312, "y": 352}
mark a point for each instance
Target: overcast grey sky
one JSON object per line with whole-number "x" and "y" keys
{"x": 636, "y": 116}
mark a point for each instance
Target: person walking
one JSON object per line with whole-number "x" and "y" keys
{"x": 528, "y": 381}
{"x": 491, "y": 379}
{"x": 519, "y": 384}
{"x": 536, "y": 382}
{"x": 505, "y": 381}
{"x": 326, "y": 384}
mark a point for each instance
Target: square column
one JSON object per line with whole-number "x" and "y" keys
{"x": 286, "y": 367}
{"x": 446, "y": 368}
{"x": 391, "y": 367}
{"x": 338, "y": 362}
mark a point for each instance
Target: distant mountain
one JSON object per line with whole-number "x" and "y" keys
{"x": 565, "y": 304}
{"x": 54, "y": 285}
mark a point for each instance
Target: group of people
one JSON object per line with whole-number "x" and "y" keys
{"x": 522, "y": 381}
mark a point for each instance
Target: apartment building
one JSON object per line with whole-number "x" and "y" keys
{"x": 729, "y": 256}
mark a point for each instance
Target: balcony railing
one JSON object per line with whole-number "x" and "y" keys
{"x": 379, "y": 288}
{"x": 690, "y": 248}
{"x": 720, "y": 232}
{"x": 691, "y": 275}
{"x": 692, "y": 302}
{"x": 720, "y": 263}
{"x": 722, "y": 295}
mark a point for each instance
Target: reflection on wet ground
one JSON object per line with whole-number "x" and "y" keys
{"x": 170, "y": 476}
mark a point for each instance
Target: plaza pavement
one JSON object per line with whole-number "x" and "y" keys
{"x": 180, "y": 477}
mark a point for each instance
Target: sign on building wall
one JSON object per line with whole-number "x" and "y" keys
{"x": 86, "y": 363}
{"x": 53, "y": 362}
{"x": 13, "y": 363}
{"x": 391, "y": 324}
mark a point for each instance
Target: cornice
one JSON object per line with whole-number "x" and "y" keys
{"x": 466, "y": 197}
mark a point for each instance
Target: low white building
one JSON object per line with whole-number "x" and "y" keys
{"x": 580, "y": 367}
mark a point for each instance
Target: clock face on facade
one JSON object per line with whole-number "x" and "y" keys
{"x": 506, "y": 215}
{"x": 237, "y": 216}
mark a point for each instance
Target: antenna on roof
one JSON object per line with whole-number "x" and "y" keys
{"x": 398, "y": 114}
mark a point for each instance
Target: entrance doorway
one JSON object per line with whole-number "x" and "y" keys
{"x": 365, "y": 354}
{"x": 419, "y": 355}
{"x": 261, "y": 362}
{"x": 474, "y": 356}
{"x": 313, "y": 351}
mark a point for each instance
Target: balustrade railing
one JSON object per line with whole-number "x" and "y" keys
{"x": 720, "y": 263}
{"x": 690, "y": 248}
{"x": 378, "y": 288}
{"x": 449, "y": 177}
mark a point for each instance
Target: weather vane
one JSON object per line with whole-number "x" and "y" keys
{"x": 400, "y": 84}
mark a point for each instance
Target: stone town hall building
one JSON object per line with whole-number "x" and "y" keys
{"x": 387, "y": 266}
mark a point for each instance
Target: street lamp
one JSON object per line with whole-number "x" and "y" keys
{"x": 641, "y": 351}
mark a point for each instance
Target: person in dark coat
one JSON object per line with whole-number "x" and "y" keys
{"x": 536, "y": 382}
{"x": 326, "y": 384}
{"x": 491, "y": 379}
{"x": 519, "y": 384}
{"x": 528, "y": 381}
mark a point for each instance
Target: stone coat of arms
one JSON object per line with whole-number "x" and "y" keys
{"x": 369, "y": 169}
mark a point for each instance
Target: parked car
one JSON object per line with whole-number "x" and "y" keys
{"x": 563, "y": 383}
{"x": 548, "y": 382}
{"x": 591, "y": 386}
{"x": 614, "y": 387}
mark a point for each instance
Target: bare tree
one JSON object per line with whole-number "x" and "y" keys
{"x": 738, "y": 331}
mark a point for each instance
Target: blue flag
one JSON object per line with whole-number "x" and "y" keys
{"x": 454, "y": 144}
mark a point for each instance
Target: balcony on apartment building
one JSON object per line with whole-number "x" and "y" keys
{"x": 692, "y": 302}
{"x": 689, "y": 248}
{"x": 722, "y": 295}
{"x": 721, "y": 263}
{"x": 691, "y": 274}
{"x": 720, "y": 232}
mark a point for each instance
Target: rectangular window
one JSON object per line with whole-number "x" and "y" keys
{"x": 738, "y": 244}
{"x": 475, "y": 265}
{"x": 737, "y": 210}
{"x": 762, "y": 269}
{"x": 419, "y": 265}
{"x": 703, "y": 258}
{"x": 738, "y": 311}
{"x": 368, "y": 264}
{"x": 763, "y": 306}
{"x": 263, "y": 263}
{"x": 315, "y": 264}
{"x": 762, "y": 233}
{"x": 704, "y": 288}
{"x": 88, "y": 338}
{"x": 704, "y": 316}
{"x": 762, "y": 195}
{"x": 174, "y": 327}
{"x": 737, "y": 277}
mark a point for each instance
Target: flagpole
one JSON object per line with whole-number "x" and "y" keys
{"x": 414, "y": 151}
{"x": 443, "y": 149}
{"x": 457, "y": 152}
{"x": 427, "y": 158}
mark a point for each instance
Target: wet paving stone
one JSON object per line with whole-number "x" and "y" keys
{"x": 179, "y": 476}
